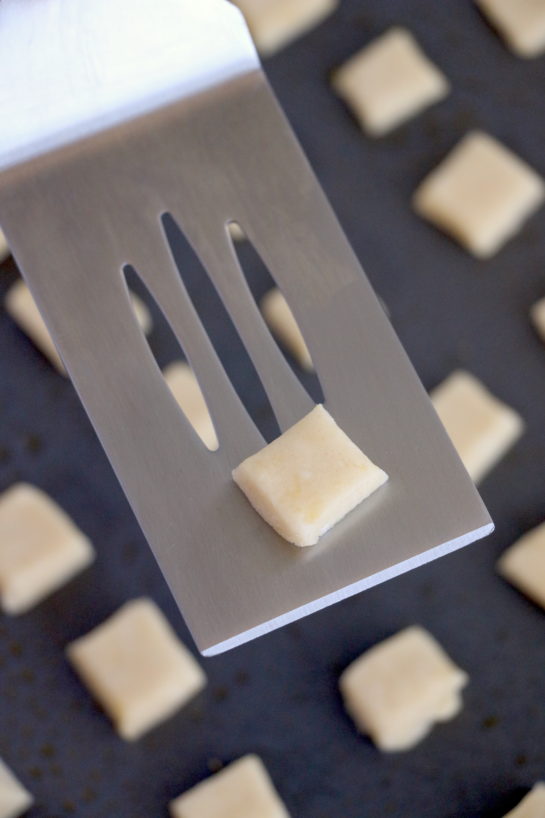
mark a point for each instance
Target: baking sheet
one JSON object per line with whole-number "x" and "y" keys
{"x": 278, "y": 696}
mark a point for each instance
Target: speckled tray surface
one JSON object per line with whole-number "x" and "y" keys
{"x": 278, "y": 696}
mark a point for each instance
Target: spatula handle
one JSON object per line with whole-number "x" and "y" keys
{"x": 72, "y": 67}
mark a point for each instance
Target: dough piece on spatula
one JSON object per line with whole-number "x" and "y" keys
{"x": 308, "y": 479}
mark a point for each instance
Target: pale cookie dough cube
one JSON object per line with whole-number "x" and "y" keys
{"x": 389, "y": 81}
{"x": 185, "y": 388}
{"x": 40, "y": 548}
{"x": 242, "y": 790}
{"x": 21, "y": 306}
{"x": 537, "y": 317}
{"x": 14, "y": 798}
{"x": 532, "y": 805}
{"x": 4, "y": 249}
{"x": 136, "y": 668}
{"x": 281, "y": 321}
{"x": 481, "y": 427}
{"x": 523, "y": 564}
{"x": 399, "y": 689}
{"x": 236, "y": 232}
{"x": 521, "y": 23}
{"x": 275, "y": 23}
{"x": 308, "y": 479}
{"x": 480, "y": 194}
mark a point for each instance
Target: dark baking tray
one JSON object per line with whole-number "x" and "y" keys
{"x": 278, "y": 696}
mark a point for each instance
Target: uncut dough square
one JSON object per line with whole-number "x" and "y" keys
{"x": 20, "y": 304}
{"x": 308, "y": 479}
{"x": 40, "y": 548}
{"x": 4, "y": 249}
{"x": 242, "y": 790}
{"x": 275, "y": 23}
{"x": 537, "y": 317}
{"x": 136, "y": 668}
{"x": 532, "y": 805}
{"x": 397, "y": 690}
{"x": 481, "y": 427}
{"x": 185, "y": 387}
{"x": 523, "y": 564}
{"x": 282, "y": 323}
{"x": 521, "y": 23}
{"x": 389, "y": 81}
{"x": 480, "y": 194}
{"x": 14, "y": 798}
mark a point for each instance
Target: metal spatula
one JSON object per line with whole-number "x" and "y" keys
{"x": 115, "y": 113}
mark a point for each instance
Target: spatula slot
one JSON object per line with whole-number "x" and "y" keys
{"x": 260, "y": 281}
{"x": 221, "y": 330}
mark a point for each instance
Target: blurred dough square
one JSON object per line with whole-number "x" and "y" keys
{"x": 242, "y": 790}
{"x": 532, "y": 805}
{"x": 185, "y": 387}
{"x": 481, "y": 427}
{"x": 523, "y": 564}
{"x": 397, "y": 690}
{"x": 40, "y": 548}
{"x": 308, "y": 479}
{"x": 275, "y": 23}
{"x": 537, "y": 316}
{"x": 480, "y": 194}
{"x": 14, "y": 798}
{"x": 23, "y": 309}
{"x": 281, "y": 321}
{"x": 521, "y": 23}
{"x": 4, "y": 253}
{"x": 389, "y": 81}
{"x": 136, "y": 668}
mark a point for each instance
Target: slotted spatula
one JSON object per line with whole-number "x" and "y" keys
{"x": 115, "y": 113}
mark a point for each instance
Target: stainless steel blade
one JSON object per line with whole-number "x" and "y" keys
{"x": 76, "y": 216}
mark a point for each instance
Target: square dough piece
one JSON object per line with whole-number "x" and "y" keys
{"x": 275, "y": 23}
{"x": 308, "y": 479}
{"x": 480, "y": 194}
{"x": 185, "y": 387}
{"x": 40, "y": 548}
{"x": 523, "y": 564}
{"x": 282, "y": 323}
{"x": 389, "y": 81}
{"x": 14, "y": 798}
{"x": 20, "y": 304}
{"x": 532, "y": 805}
{"x": 4, "y": 249}
{"x": 242, "y": 790}
{"x": 537, "y": 317}
{"x": 521, "y": 23}
{"x": 136, "y": 668}
{"x": 398, "y": 689}
{"x": 481, "y": 427}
